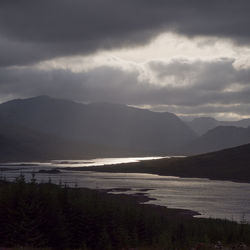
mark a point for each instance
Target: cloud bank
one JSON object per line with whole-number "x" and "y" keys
{"x": 181, "y": 86}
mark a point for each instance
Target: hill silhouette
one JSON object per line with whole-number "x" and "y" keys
{"x": 109, "y": 125}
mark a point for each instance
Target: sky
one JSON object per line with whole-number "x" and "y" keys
{"x": 191, "y": 57}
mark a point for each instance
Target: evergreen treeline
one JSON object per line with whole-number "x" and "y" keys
{"x": 48, "y": 215}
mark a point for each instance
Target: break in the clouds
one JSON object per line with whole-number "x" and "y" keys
{"x": 188, "y": 57}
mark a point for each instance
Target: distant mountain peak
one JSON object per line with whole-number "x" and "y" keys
{"x": 218, "y": 138}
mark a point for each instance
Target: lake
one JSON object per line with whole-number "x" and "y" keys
{"x": 216, "y": 199}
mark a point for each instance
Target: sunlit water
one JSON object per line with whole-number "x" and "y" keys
{"x": 216, "y": 199}
{"x": 82, "y": 163}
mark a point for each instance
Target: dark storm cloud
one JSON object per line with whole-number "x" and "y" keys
{"x": 36, "y": 30}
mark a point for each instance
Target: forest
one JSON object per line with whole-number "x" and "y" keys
{"x": 45, "y": 215}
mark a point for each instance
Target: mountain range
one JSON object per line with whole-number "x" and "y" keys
{"x": 218, "y": 138}
{"x": 111, "y": 127}
{"x": 201, "y": 125}
{"x": 44, "y": 128}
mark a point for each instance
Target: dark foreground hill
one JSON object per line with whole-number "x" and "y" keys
{"x": 229, "y": 164}
{"x": 112, "y": 125}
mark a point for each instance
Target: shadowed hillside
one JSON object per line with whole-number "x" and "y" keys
{"x": 229, "y": 164}
{"x": 23, "y": 144}
{"x": 111, "y": 125}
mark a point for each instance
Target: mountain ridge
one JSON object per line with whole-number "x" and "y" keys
{"x": 110, "y": 125}
{"x": 218, "y": 138}
{"x": 201, "y": 125}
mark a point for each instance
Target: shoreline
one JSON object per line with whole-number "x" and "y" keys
{"x": 132, "y": 168}
{"x": 121, "y": 168}
{"x": 141, "y": 198}
{"x": 199, "y": 166}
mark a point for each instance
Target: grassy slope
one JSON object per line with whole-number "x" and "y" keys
{"x": 229, "y": 164}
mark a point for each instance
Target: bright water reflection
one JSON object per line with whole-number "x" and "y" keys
{"x": 82, "y": 163}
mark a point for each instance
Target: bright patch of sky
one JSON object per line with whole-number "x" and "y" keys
{"x": 165, "y": 47}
